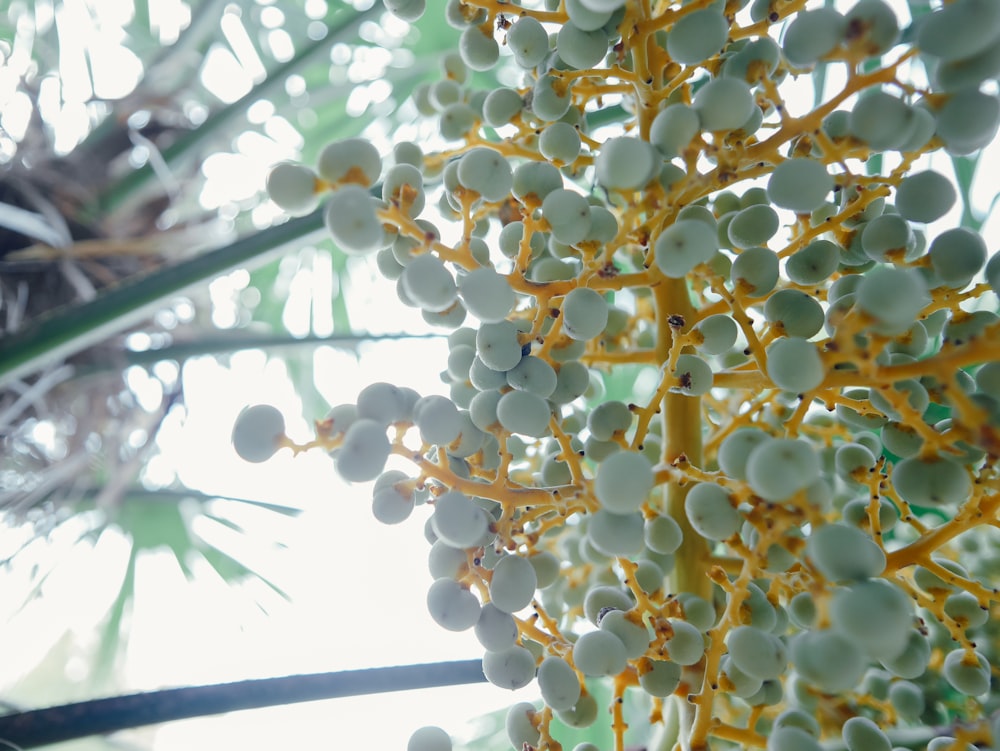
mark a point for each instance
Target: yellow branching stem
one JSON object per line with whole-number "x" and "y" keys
{"x": 682, "y": 426}
{"x": 865, "y": 400}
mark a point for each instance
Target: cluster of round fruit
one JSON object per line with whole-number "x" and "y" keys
{"x": 765, "y": 538}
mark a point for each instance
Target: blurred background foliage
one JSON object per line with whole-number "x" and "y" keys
{"x": 134, "y": 140}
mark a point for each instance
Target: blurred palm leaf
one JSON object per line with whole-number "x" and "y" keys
{"x": 134, "y": 142}
{"x": 154, "y": 520}
{"x": 183, "y": 523}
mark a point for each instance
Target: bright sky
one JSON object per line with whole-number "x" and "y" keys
{"x": 357, "y": 586}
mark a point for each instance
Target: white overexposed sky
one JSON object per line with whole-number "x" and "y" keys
{"x": 357, "y": 586}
